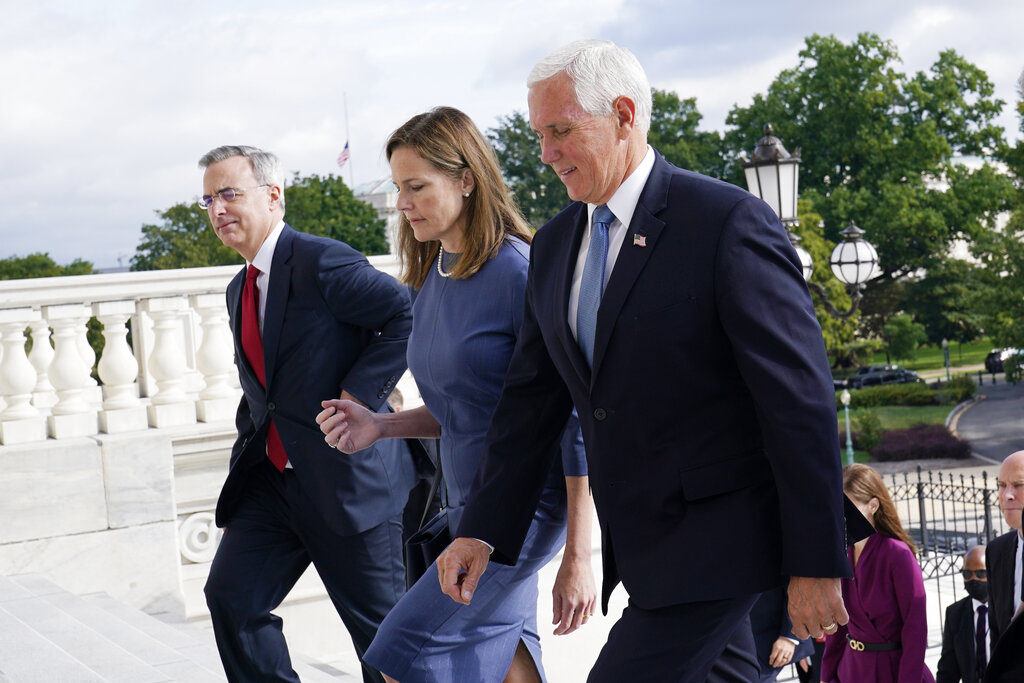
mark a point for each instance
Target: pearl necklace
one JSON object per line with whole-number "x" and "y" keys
{"x": 440, "y": 255}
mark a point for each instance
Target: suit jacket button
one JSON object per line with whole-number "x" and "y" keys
{"x": 600, "y": 414}
{"x": 271, "y": 407}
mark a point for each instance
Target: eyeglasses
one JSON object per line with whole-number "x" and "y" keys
{"x": 228, "y": 194}
{"x": 980, "y": 573}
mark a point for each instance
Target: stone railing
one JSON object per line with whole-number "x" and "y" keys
{"x": 178, "y": 368}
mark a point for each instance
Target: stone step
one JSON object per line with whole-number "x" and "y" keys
{"x": 48, "y": 634}
{"x": 95, "y": 651}
{"x": 168, "y": 627}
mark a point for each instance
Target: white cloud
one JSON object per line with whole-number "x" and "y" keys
{"x": 107, "y": 106}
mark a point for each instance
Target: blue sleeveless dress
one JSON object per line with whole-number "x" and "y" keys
{"x": 461, "y": 343}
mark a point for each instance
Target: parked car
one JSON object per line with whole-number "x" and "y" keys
{"x": 994, "y": 359}
{"x": 875, "y": 375}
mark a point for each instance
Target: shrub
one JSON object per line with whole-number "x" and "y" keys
{"x": 867, "y": 430}
{"x": 920, "y": 442}
{"x": 1012, "y": 367}
{"x": 957, "y": 390}
{"x": 912, "y": 394}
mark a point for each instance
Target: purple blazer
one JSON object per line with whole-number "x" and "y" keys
{"x": 886, "y": 602}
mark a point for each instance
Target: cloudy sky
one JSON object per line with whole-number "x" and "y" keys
{"x": 106, "y": 106}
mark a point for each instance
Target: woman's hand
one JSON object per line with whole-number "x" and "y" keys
{"x": 782, "y": 652}
{"x": 574, "y": 595}
{"x": 348, "y": 426}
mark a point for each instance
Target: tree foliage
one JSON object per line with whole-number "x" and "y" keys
{"x": 318, "y": 205}
{"x": 40, "y": 265}
{"x": 674, "y": 133}
{"x": 904, "y": 336}
{"x": 538, "y": 191}
{"x": 878, "y": 145}
{"x": 945, "y": 300}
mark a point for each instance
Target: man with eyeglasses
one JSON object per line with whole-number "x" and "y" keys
{"x": 310, "y": 318}
{"x": 965, "y": 642}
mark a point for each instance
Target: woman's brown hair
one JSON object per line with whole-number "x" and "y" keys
{"x": 448, "y": 140}
{"x": 862, "y": 483}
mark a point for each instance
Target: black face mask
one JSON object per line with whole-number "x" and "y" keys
{"x": 977, "y": 589}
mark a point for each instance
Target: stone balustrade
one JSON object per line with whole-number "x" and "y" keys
{"x": 177, "y": 370}
{"x": 110, "y": 486}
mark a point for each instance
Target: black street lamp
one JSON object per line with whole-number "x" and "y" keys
{"x": 773, "y": 175}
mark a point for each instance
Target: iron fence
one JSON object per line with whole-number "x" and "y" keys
{"x": 946, "y": 514}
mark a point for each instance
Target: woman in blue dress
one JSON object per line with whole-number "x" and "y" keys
{"x": 464, "y": 249}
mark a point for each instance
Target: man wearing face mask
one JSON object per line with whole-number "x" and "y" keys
{"x": 965, "y": 640}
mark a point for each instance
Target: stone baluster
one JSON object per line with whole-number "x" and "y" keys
{"x": 122, "y": 410}
{"x": 71, "y": 416}
{"x": 20, "y": 422}
{"x": 219, "y": 398}
{"x": 43, "y": 395}
{"x": 170, "y": 406}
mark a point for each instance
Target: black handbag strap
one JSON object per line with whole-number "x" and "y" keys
{"x": 434, "y": 484}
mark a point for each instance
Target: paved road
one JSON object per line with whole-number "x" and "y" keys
{"x": 994, "y": 425}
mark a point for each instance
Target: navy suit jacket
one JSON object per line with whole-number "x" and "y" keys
{"x": 1000, "y": 560}
{"x": 709, "y": 419}
{"x": 332, "y": 322}
{"x": 958, "y": 661}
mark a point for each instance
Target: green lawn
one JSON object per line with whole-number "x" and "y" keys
{"x": 931, "y": 358}
{"x": 899, "y": 417}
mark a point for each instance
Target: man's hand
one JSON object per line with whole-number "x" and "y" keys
{"x": 574, "y": 595}
{"x": 782, "y": 652}
{"x": 816, "y": 606}
{"x": 460, "y": 567}
{"x": 348, "y": 426}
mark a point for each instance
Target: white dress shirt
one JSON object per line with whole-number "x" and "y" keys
{"x": 622, "y": 204}
{"x": 262, "y": 260}
{"x": 1017, "y": 572}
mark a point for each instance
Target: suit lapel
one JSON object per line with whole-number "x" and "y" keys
{"x": 277, "y": 300}
{"x": 632, "y": 258}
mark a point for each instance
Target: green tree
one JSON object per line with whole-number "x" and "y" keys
{"x": 184, "y": 239}
{"x": 904, "y": 336}
{"x": 674, "y": 133}
{"x": 40, "y": 265}
{"x": 318, "y": 205}
{"x": 878, "y": 146}
{"x": 944, "y": 300}
{"x": 538, "y": 191}
{"x": 325, "y": 206}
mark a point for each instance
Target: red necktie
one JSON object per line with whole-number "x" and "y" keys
{"x": 252, "y": 344}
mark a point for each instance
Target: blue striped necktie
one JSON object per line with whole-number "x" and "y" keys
{"x": 592, "y": 284}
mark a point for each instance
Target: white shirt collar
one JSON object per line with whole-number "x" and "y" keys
{"x": 623, "y": 202}
{"x": 265, "y": 256}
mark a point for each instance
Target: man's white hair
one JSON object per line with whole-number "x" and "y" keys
{"x": 600, "y": 71}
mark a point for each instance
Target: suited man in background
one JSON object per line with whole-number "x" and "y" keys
{"x": 1003, "y": 556}
{"x": 965, "y": 643}
{"x": 310, "y": 318}
{"x": 659, "y": 277}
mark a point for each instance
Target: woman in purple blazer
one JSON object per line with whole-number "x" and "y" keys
{"x": 886, "y": 638}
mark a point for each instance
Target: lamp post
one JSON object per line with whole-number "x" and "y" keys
{"x": 845, "y": 398}
{"x": 945, "y": 352}
{"x": 773, "y": 175}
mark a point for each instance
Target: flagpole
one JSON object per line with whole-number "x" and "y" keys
{"x": 348, "y": 140}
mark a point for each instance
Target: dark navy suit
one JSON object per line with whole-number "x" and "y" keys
{"x": 958, "y": 661}
{"x": 1000, "y": 561}
{"x": 708, "y": 418}
{"x": 332, "y": 323}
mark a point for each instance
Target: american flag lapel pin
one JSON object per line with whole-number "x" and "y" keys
{"x": 639, "y": 240}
